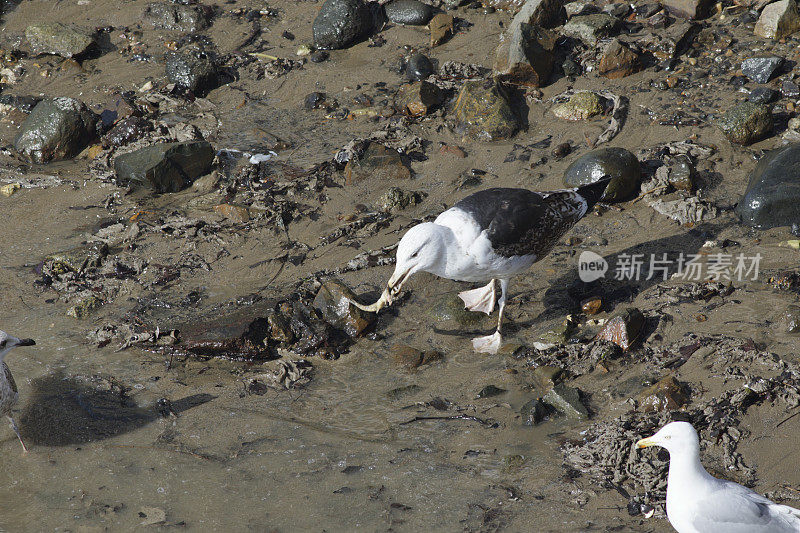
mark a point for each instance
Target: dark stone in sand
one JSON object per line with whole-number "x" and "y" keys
{"x": 166, "y": 167}
{"x": 411, "y": 12}
{"x": 194, "y": 70}
{"x": 178, "y": 17}
{"x": 56, "y": 129}
{"x": 746, "y": 123}
{"x": 525, "y": 55}
{"x": 690, "y": 9}
{"x": 761, "y": 69}
{"x": 534, "y": 412}
{"x": 126, "y": 131}
{"x": 489, "y": 391}
{"x": 618, "y": 163}
{"x": 412, "y": 358}
{"x": 377, "y": 162}
{"x": 418, "y": 98}
{"x": 22, "y": 103}
{"x": 763, "y": 95}
{"x": 772, "y": 198}
{"x": 668, "y": 394}
{"x": 340, "y": 23}
{"x": 313, "y": 100}
{"x": 418, "y": 67}
{"x": 319, "y": 56}
{"x": 591, "y": 28}
{"x": 790, "y": 89}
{"x": 58, "y": 39}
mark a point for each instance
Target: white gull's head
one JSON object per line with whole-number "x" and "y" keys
{"x": 8, "y": 342}
{"x": 421, "y": 249}
{"x": 676, "y": 437}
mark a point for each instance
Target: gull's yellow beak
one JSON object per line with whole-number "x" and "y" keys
{"x": 646, "y": 443}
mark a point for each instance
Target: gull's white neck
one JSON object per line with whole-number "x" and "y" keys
{"x": 685, "y": 479}
{"x": 456, "y": 261}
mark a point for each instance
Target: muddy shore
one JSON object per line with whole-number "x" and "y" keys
{"x": 141, "y": 412}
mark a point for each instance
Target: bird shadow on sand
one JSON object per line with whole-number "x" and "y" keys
{"x": 67, "y": 410}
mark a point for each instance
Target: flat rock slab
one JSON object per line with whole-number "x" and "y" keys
{"x": 58, "y": 39}
{"x": 166, "y": 167}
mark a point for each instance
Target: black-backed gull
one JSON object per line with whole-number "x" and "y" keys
{"x": 490, "y": 235}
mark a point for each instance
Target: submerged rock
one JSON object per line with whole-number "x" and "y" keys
{"x": 451, "y": 307}
{"x": 56, "y": 129}
{"x": 761, "y": 69}
{"x": 411, "y": 12}
{"x": 85, "y": 307}
{"x": 194, "y": 70}
{"x": 334, "y": 302}
{"x": 412, "y": 358}
{"x": 166, "y": 167}
{"x": 665, "y": 395}
{"x": 566, "y": 400}
{"x": 340, "y": 23}
{"x": 58, "y": 39}
{"x": 618, "y": 163}
{"x": 534, "y": 412}
{"x": 778, "y": 20}
{"x": 377, "y": 162}
{"x": 624, "y": 328}
{"x": 484, "y": 113}
{"x": 772, "y": 198}
{"x": 175, "y": 16}
{"x": 746, "y": 123}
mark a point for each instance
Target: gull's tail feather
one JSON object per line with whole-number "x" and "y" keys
{"x": 593, "y": 192}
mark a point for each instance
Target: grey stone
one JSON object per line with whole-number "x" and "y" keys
{"x": 340, "y": 23}
{"x": 746, "y": 123}
{"x": 534, "y": 412}
{"x": 58, "y": 39}
{"x": 525, "y": 57}
{"x": 591, "y": 28}
{"x": 763, "y": 95}
{"x": 690, "y": 9}
{"x": 418, "y": 67}
{"x": 790, "y": 89}
{"x": 56, "y": 129}
{"x": 761, "y": 69}
{"x": 195, "y": 70}
{"x": 411, "y": 12}
{"x": 618, "y": 163}
{"x": 176, "y": 17}
{"x": 772, "y": 198}
{"x": 778, "y": 20}
{"x": 566, "y": 400}
{"x": 165, "y": 167}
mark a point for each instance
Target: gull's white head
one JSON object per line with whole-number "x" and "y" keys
{"x": 422, "y": 248}
{"x": 7, "y": 343}
{"x": 675, "y": 436}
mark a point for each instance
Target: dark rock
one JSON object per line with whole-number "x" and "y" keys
{"x": 451, "y": 307}
{"x": 490, "y": 391}
{"x": 535, "y": 412}
{"x": 126, "y": 131}
{"x": 418, "y": 99}
{"x": 377, "y": 162}
{"x": 340, "y": 23}
{"x": 56, "y": 129}
{"x": 174, "y": 16}
{"x": 673, "y": 42}
{"x": 618, "y": 163}
{"x": 763, "y": 95}
{"x": 525, "y": 56}
{"x": 165, "y": 167}
{"x": 484, "y": 113}
{"x": 319, "y": 56}
{"x": 746, "y": 123}
{"x": 580, "y": 7}
{"x": 761, "y": 69}
{"x": 624, "y": 328}
{"x": 418, "y": 67}
{"x": 689, "y": 9}
{"x": 665, "y": 395}
{"x": 397, "y": 199}
{"x": 790, "y": 89}
{"x": 681, "y": 173}
{"x": 412, "y": 358}
{"x": 194, "y": 70}
{"x": 566, "y": 400}
{"x": 619, "y": 61}
{"x": 77, "y": 259}
{"x": 22, "y": 103}
{"x": 411, "y": 12}
{"x": 334, "y": 302}
{"x": 58, "y": 39}
{"x": 441, "y": 26}
{"x": 617, "y": 10}
{"x": 591, "y": 28}
{"x": 313, "y": 100}
{"x": 778, "y": 20}
{"x": 772, "y": 198}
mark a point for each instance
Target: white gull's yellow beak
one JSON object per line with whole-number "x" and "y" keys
{"x": 646, "y": 443}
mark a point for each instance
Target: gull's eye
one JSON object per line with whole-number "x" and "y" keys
{"x": 3, "y": 343}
